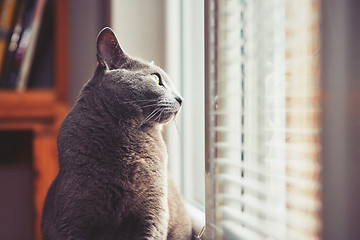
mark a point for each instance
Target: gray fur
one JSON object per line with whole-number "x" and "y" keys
{"x": 113, "y": 181}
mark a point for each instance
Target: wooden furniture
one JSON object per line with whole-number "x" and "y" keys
{"x": 41, "y": 112}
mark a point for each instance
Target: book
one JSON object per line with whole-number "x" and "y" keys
{"x": 19, "y": 58}
{"x": 14, "y": 54}
{"x": 7, "y": 13}
{"x": 30, "y": 35}
{"x": 43, "y": 67}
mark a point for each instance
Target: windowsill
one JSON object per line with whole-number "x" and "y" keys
{"x": 197, "y": 217}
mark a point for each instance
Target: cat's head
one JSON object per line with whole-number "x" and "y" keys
{"x": 134, "y": 88}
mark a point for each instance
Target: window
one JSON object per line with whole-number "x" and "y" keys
{"x": 185, "y": 64}
{"x": 262, "y": 120}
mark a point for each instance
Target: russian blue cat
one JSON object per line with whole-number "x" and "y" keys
{"x": 112, "y": 181}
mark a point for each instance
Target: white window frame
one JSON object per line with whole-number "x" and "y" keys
{"x": 185, "y": 139}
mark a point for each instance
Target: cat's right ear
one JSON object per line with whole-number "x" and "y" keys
{"x": 109, "y": 53}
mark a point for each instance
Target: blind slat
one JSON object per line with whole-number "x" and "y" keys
{"x": 260, "y": 225}
{"x": 246, "y": 201}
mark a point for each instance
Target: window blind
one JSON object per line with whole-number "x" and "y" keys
{"x": 262, "y": 108}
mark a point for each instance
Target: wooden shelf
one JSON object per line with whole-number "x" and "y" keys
{"x": 28, "y": 110}
{"x": 29, "y": 104}
{"x": 31, "y": 97}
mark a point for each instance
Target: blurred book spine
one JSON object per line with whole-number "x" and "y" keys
{"x": 7, "y": 15}
{"x": 20, "y": 51}
{"x": 29, "y": 51}
{"x": 8, "y": 76}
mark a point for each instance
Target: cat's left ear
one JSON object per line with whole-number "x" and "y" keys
{"x": 109, "y": 53}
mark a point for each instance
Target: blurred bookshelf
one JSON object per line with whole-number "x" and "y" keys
{"x": 33, "y": 103}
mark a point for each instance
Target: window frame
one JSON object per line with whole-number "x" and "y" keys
{"x": 184, "y": 64}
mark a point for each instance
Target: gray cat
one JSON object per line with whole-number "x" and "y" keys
{"x": 113, "y": 181}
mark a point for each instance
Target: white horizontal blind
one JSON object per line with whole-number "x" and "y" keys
{"x": 256, "y": 145}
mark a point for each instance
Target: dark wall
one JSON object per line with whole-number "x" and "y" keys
{"x": 86, "y": 19}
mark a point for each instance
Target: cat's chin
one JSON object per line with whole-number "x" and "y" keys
{"x": 168, "y": 117}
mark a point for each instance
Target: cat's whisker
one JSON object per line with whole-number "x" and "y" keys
{"x": 151, "y": 115}
{"x": 159, "y": 117}
{"x": 177, "y": 127}
{"x": 151, "y": 105}
{"x": 141, "y": 100}
{"x": 158, "y": 112}
{"x": 156, "y": 104}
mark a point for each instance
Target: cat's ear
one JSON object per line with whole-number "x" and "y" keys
{"x": 109, "y": 53}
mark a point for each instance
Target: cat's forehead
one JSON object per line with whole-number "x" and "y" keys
{"x": 139, "y": 64}
{"x": 145, "y": 64}
{"x": 137, "y": 67}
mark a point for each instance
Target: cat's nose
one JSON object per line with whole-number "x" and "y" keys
{"x": 179, "y": 99}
